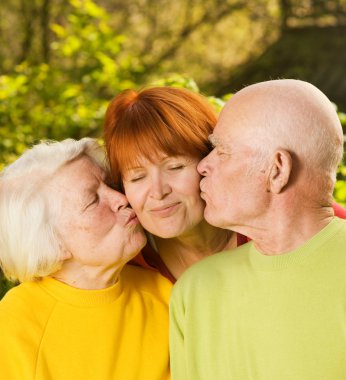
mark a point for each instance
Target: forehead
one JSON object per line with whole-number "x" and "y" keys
{"x": 158, "y": 158}
{"x": 77, "y": 175}
{"x": 222, "y": 134}
{"x": 236, "y": 123}
{"x": 82, "y": 168}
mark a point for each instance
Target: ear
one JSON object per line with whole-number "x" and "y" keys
{"x": 280, "y": 171}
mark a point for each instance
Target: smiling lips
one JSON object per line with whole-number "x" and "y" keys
{"x": 165, "y": 210}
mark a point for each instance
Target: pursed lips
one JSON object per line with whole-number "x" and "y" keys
{"x": 131, "y": 217}
{"x": 201, "y": 185}
{"x": 203, "y": 193}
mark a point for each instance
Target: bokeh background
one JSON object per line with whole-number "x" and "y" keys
{"x": 61, "y": 61}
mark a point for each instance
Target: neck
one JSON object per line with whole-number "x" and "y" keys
{"x": 284, "y": 230}
{"x": 181, "y": 252}
{"x": 87, "y": 277}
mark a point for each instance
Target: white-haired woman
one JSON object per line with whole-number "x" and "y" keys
{"x": 80, "y": 312}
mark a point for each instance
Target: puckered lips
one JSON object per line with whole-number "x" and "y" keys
{"x": 131, "y": 218}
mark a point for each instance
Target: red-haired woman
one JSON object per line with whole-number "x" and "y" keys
{"x": 154, "y": 140}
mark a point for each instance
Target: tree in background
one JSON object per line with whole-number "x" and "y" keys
{"x": 200, "y": 38}
{"x": 68, "y": 96}
{"x": 203, "y": 39}
{"x": 72, "y": 56}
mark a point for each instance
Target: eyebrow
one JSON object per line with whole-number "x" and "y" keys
{"x": 94, "y": 183}
{"x": 90, "y": 190}
{"x": 133, "y": 168}
{"x": 161, "y": 160}
{"x": 215, "y": 141}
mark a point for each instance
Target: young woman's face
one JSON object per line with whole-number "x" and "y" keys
{"x": 165, "y": 194}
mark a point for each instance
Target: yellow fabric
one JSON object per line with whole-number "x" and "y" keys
{"x": 51, "y": 331}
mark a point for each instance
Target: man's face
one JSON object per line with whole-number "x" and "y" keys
{"x": 233, "y": 186}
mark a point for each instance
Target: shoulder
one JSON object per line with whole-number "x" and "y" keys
{"x": 25, "y": 304}
{"x": 146, "y": 281}
{"x": 212, "y": 270}
{"x": 22, "y": 296}
{"x": 339, "y": 227}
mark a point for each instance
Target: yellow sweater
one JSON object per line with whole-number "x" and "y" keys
{"x": 51, "y": 331}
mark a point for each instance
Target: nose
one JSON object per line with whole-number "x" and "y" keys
{"x": 159, "y": 187}
{"x": 203, "y": 166}
{"x": 117, "y": 200}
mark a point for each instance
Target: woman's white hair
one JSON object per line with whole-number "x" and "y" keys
{"x": 29, "y": 245}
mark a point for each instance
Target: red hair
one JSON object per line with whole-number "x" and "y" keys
{"x": 174, "y": 121}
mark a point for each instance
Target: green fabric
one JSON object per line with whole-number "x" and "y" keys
{"x": 241, "y": 315}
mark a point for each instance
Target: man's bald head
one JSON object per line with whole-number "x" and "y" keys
{"x": 292, "y": 115}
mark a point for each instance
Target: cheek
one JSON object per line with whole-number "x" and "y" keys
{"x": 100, "y": 221}
{"x": 135, "y": 196}
{"x": 189, "y": 184}
{"x": 221, "y": 189}
{"x": 214, "y": 183}
{"x": 192, "y": 192}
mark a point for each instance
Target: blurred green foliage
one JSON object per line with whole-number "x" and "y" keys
{"x": 5, "y": 285}
{"x": 68, "y": 96}
{"x": 340, "y": 186}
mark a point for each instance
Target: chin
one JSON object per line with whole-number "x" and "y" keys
{"x": 211, "y": 218}
{"x": 170, "y": 233}
{"x": 138, "y": 241}
{"x": 142, "y": 240}
{"x": 167, "y": 234}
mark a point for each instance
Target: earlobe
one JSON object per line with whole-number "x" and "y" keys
{"x": 280, "y": 171}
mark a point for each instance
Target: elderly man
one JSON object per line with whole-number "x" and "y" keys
{"x": 275, "y": 308}
{"x": 80, "y": 312}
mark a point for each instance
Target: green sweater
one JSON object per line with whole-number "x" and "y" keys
{"x": 241, "y": 315}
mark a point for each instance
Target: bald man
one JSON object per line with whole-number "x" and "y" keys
{"x": 275, "y": 308}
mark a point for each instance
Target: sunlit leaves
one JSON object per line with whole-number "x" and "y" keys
{"x": 177, "y": 80}
{"x": 68, "y": 97}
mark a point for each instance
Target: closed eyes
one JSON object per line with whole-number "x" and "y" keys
{"x": 177, "y": 167}
{"x": 136, "y": 179}
{"x": 94, "y": 201}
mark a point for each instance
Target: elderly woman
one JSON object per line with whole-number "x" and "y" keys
{"x": 79, "y": 312}
{"x": 155, "y": 139}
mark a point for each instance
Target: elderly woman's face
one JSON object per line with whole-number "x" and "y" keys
{"x": 165, "y": 194}
{"x": 95, "y": 225}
